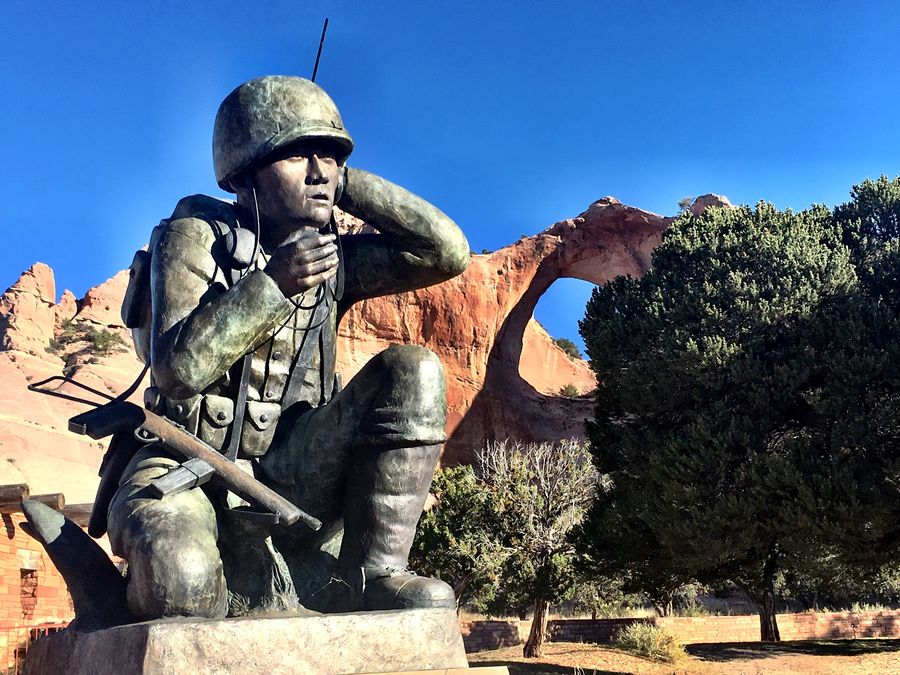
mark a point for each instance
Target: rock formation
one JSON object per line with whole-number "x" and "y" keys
{"x": 703, "y": 202}
{"x": 504, "y": 371}
{"x": 41, "y": 339}
{"x": 480, "y": 323}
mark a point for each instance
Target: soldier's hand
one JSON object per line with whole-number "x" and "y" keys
{"x": 303, "y": 262}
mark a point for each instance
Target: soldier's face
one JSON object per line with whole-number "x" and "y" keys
{"x": 297, "y": 188}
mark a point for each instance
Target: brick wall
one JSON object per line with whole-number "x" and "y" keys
{"x": 585, "y": 630}
{"x": 483, "y": 635}
{"x": 31, "y": 590}
{"x": 806, "y": 626}
{"x": 479, "y": 636}
{"x": 694, "y": 629}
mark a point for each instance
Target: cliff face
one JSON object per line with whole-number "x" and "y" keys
{"x": 41, "y": 338}
{"x": 503, "y": 370}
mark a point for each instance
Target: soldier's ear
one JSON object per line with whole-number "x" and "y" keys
{"x": 242, "y": 183}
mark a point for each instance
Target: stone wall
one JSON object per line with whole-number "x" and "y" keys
{"x": 31, "y": 590}
{"x": 479, "y": 636}
{"x": 484, "y": 635}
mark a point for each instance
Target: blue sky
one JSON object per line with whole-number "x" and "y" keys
{"x": 507, "y": 115}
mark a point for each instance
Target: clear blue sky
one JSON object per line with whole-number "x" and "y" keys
{"x": 507, "y": 115}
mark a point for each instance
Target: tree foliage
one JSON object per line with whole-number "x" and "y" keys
{"x": 499, "y": 530}
{"x": 455, "y": 539}
{"x": 747, "y": 413}
{"x": 569, "y": 347}
{"x": 569, "y": 391}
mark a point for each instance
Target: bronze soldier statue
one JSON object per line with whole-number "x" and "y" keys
{"x": 246, "y": 298}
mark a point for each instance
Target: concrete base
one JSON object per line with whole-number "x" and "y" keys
{"x": 364, "y": 642}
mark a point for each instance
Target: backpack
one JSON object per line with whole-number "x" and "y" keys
{"x": 236, "y": 248}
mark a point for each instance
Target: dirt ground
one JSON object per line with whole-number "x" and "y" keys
{"x": 820, "y": 657}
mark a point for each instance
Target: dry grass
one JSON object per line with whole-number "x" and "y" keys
{"x": 832, "y": 657}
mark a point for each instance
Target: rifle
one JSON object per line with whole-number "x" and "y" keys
{"x": 203, "y": 461}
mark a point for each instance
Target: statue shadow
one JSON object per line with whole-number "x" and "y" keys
{"x": 520, "y": 668}
{"x": 720, "y": 653}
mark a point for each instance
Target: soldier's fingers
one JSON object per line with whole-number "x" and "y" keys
{"x": 306, "y": 239}
{"x": 317, "y": 279}
{"x": 318, "y": 266}
{"x": 317, "y": 253}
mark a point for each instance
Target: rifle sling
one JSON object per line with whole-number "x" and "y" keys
{"x": 240, "y": 407}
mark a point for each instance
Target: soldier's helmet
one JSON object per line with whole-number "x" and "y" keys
{"x": 268, "y": 113}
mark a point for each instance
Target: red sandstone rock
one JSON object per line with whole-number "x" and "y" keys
{"x": 476, "y": 324}
{"x": 703, "y": 202}
{"x": 26, "y": 311}
{"x": 102, "y": 303}
{"x": 35, "y": 444}
{"x": 66, "y": 309}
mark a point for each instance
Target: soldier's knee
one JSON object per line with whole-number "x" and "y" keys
{"x": 176, "y": 576}
{"x": 416, "y": 372}
{"x": 174, "y": 567}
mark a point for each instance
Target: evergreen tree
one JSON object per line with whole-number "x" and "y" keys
{"x": 736, "y": 414}
{"x": 456, "y": 539}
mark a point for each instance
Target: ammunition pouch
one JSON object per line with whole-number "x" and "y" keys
{"x": 259, "y": 427}
{"x": 216, "y": 417}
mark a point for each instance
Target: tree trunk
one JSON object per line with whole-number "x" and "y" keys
{"x": 768, "y": 624}
{"x": 535, "y": 642}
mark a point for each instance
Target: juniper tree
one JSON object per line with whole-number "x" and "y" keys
{"x": 456, "y": 539}
{"x": 735, "y": 415}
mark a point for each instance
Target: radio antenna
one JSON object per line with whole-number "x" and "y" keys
{"x": 319, "y": 53}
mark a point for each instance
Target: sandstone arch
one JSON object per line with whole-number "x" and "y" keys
{"x": 476, "y": 323}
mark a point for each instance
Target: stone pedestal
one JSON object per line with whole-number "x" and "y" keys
{"x": 364, "y": 642}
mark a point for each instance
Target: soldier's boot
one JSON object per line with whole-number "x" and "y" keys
{"x": 386, "y": 492}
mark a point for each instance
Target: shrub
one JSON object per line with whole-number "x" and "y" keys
{"x": 68, "y": 334}
{"x": 649, "y": 641}
{"x": 569, "y": 347}
{"x": 104, "y": 342}
{"x": 569, "y": 390}
{"x": 100, "y": 341}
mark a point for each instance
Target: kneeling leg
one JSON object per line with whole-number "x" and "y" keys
{"x": 174, "y": 567}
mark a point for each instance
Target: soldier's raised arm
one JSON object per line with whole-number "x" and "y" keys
{"x": 418, "y": 246}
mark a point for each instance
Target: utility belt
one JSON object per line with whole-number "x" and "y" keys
{"x": 211, "y": 416}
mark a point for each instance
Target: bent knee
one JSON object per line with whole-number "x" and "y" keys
{"x": 176, "y": 576}
{"x": 415, "y": 370}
